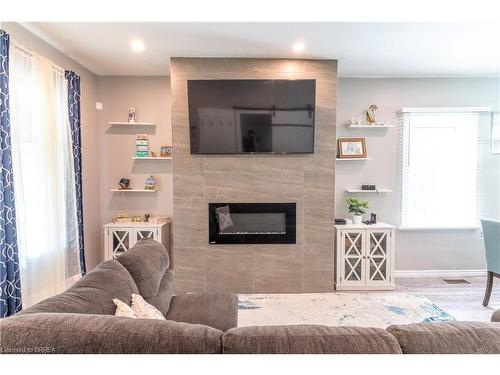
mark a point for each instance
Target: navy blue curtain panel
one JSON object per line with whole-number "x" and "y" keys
{"x": 10, "y": 280}
{"x": 74, "y": 123}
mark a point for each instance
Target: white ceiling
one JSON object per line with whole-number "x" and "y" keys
{"x": 363, "y": 49}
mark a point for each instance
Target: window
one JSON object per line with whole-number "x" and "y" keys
{"x": 44, "y": 177}
{"x": 440, "y": 167}
{"x": 495, "y": 133}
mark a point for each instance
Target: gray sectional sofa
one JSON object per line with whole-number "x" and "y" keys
{"x": 81, "y": 320}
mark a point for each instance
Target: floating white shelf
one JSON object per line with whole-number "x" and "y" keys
{"x": 125, "y": 123}
{"x": 152, "y": 158}
{"x": 134, "y": 190}
{"x": 370, "y": 126}
{"x": 367, "y": 158}
{"x": 368, "y": 191}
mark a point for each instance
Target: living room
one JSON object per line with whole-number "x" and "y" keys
{"x": 250, "y": 187}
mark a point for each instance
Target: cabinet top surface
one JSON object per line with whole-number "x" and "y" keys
{"x": 378, "y": 225}
{"x": 135, "y": 225}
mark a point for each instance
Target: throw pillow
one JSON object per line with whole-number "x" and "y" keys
{"x": 144, "y": 310}
{"x": 224, "y": 217}
{"x": 122, "y": 309}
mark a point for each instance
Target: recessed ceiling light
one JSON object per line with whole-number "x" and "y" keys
{"x": 137, "y": 45}
{"x": 298, "y": 47}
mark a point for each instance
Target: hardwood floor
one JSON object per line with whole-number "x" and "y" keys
{"x": 462, "y": 301}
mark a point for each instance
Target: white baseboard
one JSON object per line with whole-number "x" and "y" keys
{"x": 439, "y": 273}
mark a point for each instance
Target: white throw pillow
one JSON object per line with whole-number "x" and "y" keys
{"x": 144, "y": 310}
{"x": 124, "y": 310}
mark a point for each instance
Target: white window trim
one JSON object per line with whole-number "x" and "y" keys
{"x": 444, "y": 110}
{"x": 473, "y": 227}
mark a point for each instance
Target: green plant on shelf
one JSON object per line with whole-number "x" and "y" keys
{"x": 357, "y": 206}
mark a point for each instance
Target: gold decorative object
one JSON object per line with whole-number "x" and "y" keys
{"x": 120, "y": 218}
{"x": 370, "y": 117}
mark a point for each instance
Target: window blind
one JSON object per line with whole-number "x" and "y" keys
{"x": 440, "y": 167}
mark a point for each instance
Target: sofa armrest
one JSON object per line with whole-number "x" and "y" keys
{"x": 217, "y": 310}
{"x": 496, "y": 316}
{"x": 89, "y": 333}
{"x": 455, "y": 337}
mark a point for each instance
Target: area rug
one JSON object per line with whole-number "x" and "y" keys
{"x": 365, "y": 309}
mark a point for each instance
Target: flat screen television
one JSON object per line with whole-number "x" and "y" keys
{"x": 251, "y": 116}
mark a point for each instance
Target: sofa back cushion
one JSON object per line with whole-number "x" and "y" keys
{"x": 92, "y": 294}
{"x": 448, "y": 338}
{"x": 148, "y": 262}
{"x": 308, "y": 339}
{"x": 496, "y": 316}
{"x": 101, "y": 334}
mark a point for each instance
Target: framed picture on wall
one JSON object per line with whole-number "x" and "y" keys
{"x": 351, "y": 148}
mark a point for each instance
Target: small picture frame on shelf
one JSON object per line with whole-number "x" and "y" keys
{"x": 166, "y": 151}
{"x": 351, "y": 148}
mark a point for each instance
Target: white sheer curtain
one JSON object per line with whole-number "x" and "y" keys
{"x": 43, "y": 174}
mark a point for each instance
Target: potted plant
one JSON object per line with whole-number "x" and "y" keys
{"x": 357, "y": 207}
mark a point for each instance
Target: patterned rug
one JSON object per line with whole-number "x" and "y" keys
{"x": 364, "y": 309}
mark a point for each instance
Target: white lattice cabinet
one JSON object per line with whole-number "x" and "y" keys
{"x": 120, "y": 237}
{"x": 364, "y": 257}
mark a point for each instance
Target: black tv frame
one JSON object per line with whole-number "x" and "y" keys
{"x": 269, "y": 108}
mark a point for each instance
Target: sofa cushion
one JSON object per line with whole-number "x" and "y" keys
{"x": 148, "y": 263}
{"x": 92, "y": 294}
{"x": 308, "y": 339}
{"x": 218, "y": 310}
{"x": 448, "y": 338}
{"x": 82, "y": 333}
{"x": 496, "y": 316}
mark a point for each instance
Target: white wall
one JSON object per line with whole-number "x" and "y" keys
{"x": 150, "y": 96}
{"x": 415, "y": 250}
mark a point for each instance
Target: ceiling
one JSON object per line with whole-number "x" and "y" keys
{"x": 363, "y": 49}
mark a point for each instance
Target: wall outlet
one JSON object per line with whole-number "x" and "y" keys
{"x": 98, "y": 105}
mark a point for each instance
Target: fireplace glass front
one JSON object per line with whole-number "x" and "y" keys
{"x": 252, "y": 223}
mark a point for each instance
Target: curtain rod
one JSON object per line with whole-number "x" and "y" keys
{"x": 29, "y": 52}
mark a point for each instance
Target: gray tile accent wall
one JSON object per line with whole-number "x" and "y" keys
{"x": 308, "y": 180}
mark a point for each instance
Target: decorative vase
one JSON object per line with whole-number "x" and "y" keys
{"x": 357, "y": 219}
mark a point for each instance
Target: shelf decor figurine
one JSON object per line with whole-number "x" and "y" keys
{"x": 357, "y": 207}
{"x": 131, "y": 115}
{"x": 124, "y": 183}
{"x": 370, "y": 114}
{"x": 355, "y": 121}
{"x": 150, "y": 183}
{"x": 166, "y": 151}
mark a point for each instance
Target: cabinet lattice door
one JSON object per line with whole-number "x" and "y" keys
{"x": 365, "y": 257}
{"x": 120, "y": 242}
{"x": 352, "y": 265}
{"x": 378, "y": 248}
{"x": 145, "y": 233}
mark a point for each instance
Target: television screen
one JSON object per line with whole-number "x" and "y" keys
{"x": 251, "y": 116}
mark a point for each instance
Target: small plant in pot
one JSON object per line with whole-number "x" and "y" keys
{"x": 357, "y": 207}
